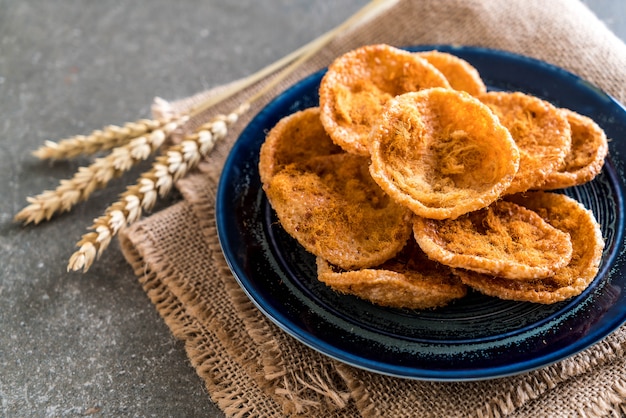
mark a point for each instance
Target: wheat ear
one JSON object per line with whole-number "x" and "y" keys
{"x": 173, "y": 164}
{"x": 109, "y": 137}
{"x": 97, "y": 175}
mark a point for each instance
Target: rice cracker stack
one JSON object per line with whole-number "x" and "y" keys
{"x": 412, "y": 184}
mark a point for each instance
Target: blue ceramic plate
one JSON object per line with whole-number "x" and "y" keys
{"x": 476, "y": 338}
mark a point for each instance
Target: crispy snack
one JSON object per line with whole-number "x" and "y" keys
{"x": 539, "y": 129}
{"x": 294, "y": 139}
{"x": 586, "y": 157}
{"x": 460, "y": 74}
{"x": 334, "y": 209}
{"x": 571, "y": 280}
{"x": 359, "y": 83}
{"x": 442, "y": 153}
{"x": 411, "y": 144}
{"x": 409, "y": 280}
{"x": 504, "y": 239}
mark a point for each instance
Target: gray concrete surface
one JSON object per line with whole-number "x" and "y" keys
{"x": 72, "y": 344}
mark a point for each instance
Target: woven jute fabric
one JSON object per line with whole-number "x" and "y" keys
{"x": 254, "y": 369}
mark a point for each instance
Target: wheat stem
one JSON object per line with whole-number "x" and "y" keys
{"x": 173, "y": 164}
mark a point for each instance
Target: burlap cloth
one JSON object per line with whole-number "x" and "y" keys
{"x": 252, "y": 368}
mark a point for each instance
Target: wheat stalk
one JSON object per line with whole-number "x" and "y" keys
{"x": 97, "y": 175}
{"x": 176, "y": 161}
{"x": 103, "y": 139}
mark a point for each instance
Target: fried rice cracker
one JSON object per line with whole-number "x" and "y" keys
{"x": 460, "y": 74}
{"x": 409, "y": 280}
{"x": 504, "y": 239}
{"x": 442, "y": 153}
{"x": 334, "y": 209}
{"x": 357, "y": 84}
{"x": 586, "y": 157}
{"x": 540, "y": 130}
{"x": 294, "y": 139}
{"x": 571, "y": 280}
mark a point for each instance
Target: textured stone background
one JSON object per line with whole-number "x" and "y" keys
{"x": 73, "y": 344}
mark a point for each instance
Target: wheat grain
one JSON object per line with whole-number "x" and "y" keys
{"x": 110, "y": 137}
{"x": 97, "y": 175}
{"x": 172, "y": 165}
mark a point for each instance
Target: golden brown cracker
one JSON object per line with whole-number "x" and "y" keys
{"x": 586, "y": 157}
{"x": 409, "y": 280}
{"x": 571, "y": 280}
{"x": 336, "y": 211}
{"x": 442, "y": 153}
{"x": 540, "y": 131}
{"x": 504, "y": 239}
{"x": 460, "y": 74}
{"x": 357, "y": 85}
{"x": 294, "y": 139}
